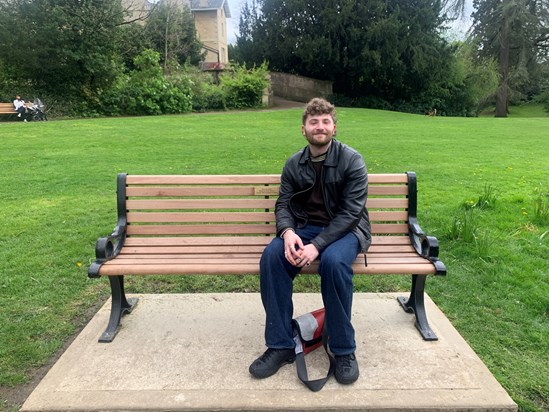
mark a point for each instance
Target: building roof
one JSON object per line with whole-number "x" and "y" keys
{"x": 198, "y": 5}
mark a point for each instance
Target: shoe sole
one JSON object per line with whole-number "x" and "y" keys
{"x": 346, "y": 381}
{"x": 286, "y": 362}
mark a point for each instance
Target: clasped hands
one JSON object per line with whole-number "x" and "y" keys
{"x": 296, "y": 252}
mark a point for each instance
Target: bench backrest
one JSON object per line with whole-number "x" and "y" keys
{"x": 225, "y": 205}
{"x": 7, "y": 108}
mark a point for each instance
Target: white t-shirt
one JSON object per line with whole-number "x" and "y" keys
{"x": 18, "y": 103}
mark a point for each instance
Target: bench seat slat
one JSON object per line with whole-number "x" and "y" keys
{"x": 252, "y": 269}
{"x": 198, "y": 241}
{"x": 138, "y": 250}
{"x": 244, "y": 259}
{"x": 203, "y": 254}
{"x": 239, "y": 249}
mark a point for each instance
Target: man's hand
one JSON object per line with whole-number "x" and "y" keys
{"x": 296, "y": 253}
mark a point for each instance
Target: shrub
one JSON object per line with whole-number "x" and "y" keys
{"x": 210, "y": 97}
{"x": 244, "y": 88}
{"x": 206, "y": 93}
{"x": 146, "y": 91}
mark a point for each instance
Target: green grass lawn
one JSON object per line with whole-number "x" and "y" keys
{"x": 483, "y": 191}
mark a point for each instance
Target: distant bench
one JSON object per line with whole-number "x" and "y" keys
{"x": 220, "y": 224}
{"x": 7, "y": 108}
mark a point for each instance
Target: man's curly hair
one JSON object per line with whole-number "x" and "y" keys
{"x": 319, "y": 106}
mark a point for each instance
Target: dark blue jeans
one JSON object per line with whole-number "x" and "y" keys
{"x": 336, "y": 274}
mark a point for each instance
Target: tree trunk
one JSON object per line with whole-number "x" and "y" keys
{"x": 502, "y": 94}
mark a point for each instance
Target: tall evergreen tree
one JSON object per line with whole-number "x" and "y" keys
{"x": 387, "y": 49}
{"x": 516, "y": 33}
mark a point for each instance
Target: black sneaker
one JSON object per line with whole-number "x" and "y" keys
{"x": 346, "y": 369}
{"x": 270, "y": 362}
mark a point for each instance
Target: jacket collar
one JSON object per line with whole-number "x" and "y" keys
{"x": 331, "y": 156}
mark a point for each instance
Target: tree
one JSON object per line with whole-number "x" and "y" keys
{"x": 61, "y": 44}
{"x": 170, "y": 28}
{"x": 516, "y": 34}
{"x": 387, "y": 50}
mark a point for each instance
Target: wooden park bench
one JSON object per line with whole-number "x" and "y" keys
{"x": 7, "y": 108}
{"x": 219, "y": 225}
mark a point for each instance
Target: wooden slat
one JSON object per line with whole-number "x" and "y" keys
{"x": 391, "y": 249}
{"x": 242, "y": 269}
{"x": 214, "y": 241}
{"x": 186, "y": 204}
{"x": 201, "y": 179}
{"x": 172, "y": 249}
{"x": 129, "y": 250}
{"x": 389, "y": 228}
{"x": 390, "y": 240}
{"x": 387, "y": 216}
{"x": 205, "y": 229}
{"x": 266, "y": 190}
{"x": 209, "y": 241}
{"x": 240, "y": 229}
{"x": 228, "y": 259}
{"x": 190, "y": 191}
{"x": 189, "y": 217}
{"x": 401, "y": 190}
{"x": 255, "y": 254}
{"x": 388, "y": 203}
{"x": 181, "y": 217}
{"x": 388, "y": 178}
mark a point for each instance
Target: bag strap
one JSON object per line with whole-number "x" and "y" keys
{"x": 317, "y": 384}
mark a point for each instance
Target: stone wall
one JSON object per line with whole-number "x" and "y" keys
{"x": 299, "y": 88}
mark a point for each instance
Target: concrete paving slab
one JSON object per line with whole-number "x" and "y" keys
{"x": 191, "y": 352}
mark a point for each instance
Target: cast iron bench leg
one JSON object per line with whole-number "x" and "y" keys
{"x": 120, "y": 306}
{"x": 416, "y": 304}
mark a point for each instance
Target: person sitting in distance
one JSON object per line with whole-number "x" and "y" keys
{"x": 19, "y": 105}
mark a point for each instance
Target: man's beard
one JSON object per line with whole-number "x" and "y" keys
{"x": 319, "y": 143}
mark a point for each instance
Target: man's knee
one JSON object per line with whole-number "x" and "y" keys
{"x": 275, "y": 249}
{"x": 330, "y": 259}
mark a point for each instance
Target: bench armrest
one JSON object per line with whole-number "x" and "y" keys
{"x": 106, "y": 248}
{"x": 426, "y": 246}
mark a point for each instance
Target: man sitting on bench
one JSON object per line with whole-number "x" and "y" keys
{"x": 320, "y": 213}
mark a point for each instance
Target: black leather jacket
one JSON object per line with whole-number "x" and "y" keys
{"x": 345, "y": 189}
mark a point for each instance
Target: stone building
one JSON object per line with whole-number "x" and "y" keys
{"x": 210, "y": 19}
